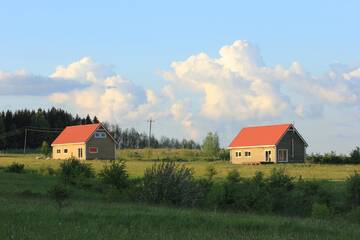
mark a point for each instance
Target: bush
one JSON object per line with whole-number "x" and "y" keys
{"x": 355, "y": 155}
{"x": 353, "y": 189}
{"x": 302, "y": 198}
{"x": 320, "y": 211}
{"x": 72, "y": 171}
{"x": 224, "y": 155}
{"x": 170, "y": 183}
{"x": 60, "y": 194}
{"x": 15, "y": 168}
{"x": 279, "y": 186}
{"x": 115, "y": 174}
{"x": 45, "y": 149}
{"x": 354, "y": 215}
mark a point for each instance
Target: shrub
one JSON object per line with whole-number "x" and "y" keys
{"x": 302, "y": 198}
{"x": 353, "y": 189}
{"x": 115, "y": 174}
{"x": 355, "y": 155}
{"x": 60, "y": 194}
{"x": 170, "y": 183}
{"x": 224, "y": 155}
{"x": 45, "y": 149}
{"x": 320, "y": 211}
{"x": 354, "y": 215}
{"x": 279, "y": 186}
{"x": 72, "y": 171}
{"x": 15, "y": 168}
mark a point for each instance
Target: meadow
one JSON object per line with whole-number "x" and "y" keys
{"x": 28, "y": 213}
{"x": 137, "y": 160}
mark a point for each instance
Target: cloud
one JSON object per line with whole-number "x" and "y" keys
{"x": 237, "y": 85}
{"x": 23, "y": 83}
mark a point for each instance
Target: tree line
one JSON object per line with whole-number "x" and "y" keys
{"x": 47, "y": 124}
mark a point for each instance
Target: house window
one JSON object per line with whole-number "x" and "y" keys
{"x": 93, "y": 149}
{"x": 238, "y": 154}
{"x": 58, "y": 151}
{"x": 100, "y": 135}
{"x": 80, "y": 152}
{"x": 65, "y": 150}
{"x": 283, "y": 155}
{"x": 247, "y": 154}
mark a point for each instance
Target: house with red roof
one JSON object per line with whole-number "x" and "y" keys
{"x": 84, "y": 142}
{"x": 280, "y": 143}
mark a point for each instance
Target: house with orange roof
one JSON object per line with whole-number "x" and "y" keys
{"x": 84, "y": 142}
{"x": 280, "y": 143}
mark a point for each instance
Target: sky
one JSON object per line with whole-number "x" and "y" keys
{"x": 193, "y": 66}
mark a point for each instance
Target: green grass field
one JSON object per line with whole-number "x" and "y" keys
{"x": 28, "y": 213}
{"x": 138, "y": 160}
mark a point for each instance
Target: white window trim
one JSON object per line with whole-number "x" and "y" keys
{"x": 238, "y": 154}
{"x": 97, "y": 149}
{"x": 287, "y": 154}
{"x": 100, "y": 134}
{"x": 248, "y": 155}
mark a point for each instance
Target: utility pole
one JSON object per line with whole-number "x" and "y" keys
{"x": 150, "y": 121}
{"x": 25, "y": 140}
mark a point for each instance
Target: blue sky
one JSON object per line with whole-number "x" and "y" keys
{"x": 139, "y": 40}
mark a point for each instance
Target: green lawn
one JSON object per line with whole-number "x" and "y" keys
{"x": 136, "y": 166}
{"x": 27, "y": 213}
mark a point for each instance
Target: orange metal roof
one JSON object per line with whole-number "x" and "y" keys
{"x": 259, "y": 135}
{"x": 76, "y": 134}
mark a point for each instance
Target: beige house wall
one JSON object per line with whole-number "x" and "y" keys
{"x": 72, "y": 151}
{"x": 257, "y": 154}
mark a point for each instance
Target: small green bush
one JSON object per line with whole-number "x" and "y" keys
{"x": 15, "y": 168}
{"x": 320, "y": 211}
{"x": 170, "y": 183}
{"x": 353, "y": 189}
{"x": 115, "y": 174}
{"x": 72, "y": 171}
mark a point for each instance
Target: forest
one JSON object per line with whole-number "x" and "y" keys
{"x": 44, "y": 125}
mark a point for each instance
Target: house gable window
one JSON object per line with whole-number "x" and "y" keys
{"x": 100, "y": 135}
{"x": 247, "y": 154}
{"x": 237, "y": 154}
{"x": 93, "y": 150}
{"x": 282, "y": 155}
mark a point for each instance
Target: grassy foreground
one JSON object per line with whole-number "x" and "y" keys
{"x": 28, "y": 213}
{"x": 136, "y": 166}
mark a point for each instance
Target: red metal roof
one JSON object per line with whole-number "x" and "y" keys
{"x": 259, "y": 135}
{"x": 76, "y": 134}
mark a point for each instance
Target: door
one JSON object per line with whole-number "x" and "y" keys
{"x": 267, "y": 156}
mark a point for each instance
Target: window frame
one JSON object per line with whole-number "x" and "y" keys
{"x": 287, "y": 155}
{"x": 100, "y": 135}
{"x": 93, "y": 147}
{"x": 238, "y": 154}
{"x": 247, "y": 154}
{"x": 58, "y": 150}
{"x": 66, "y": 150}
